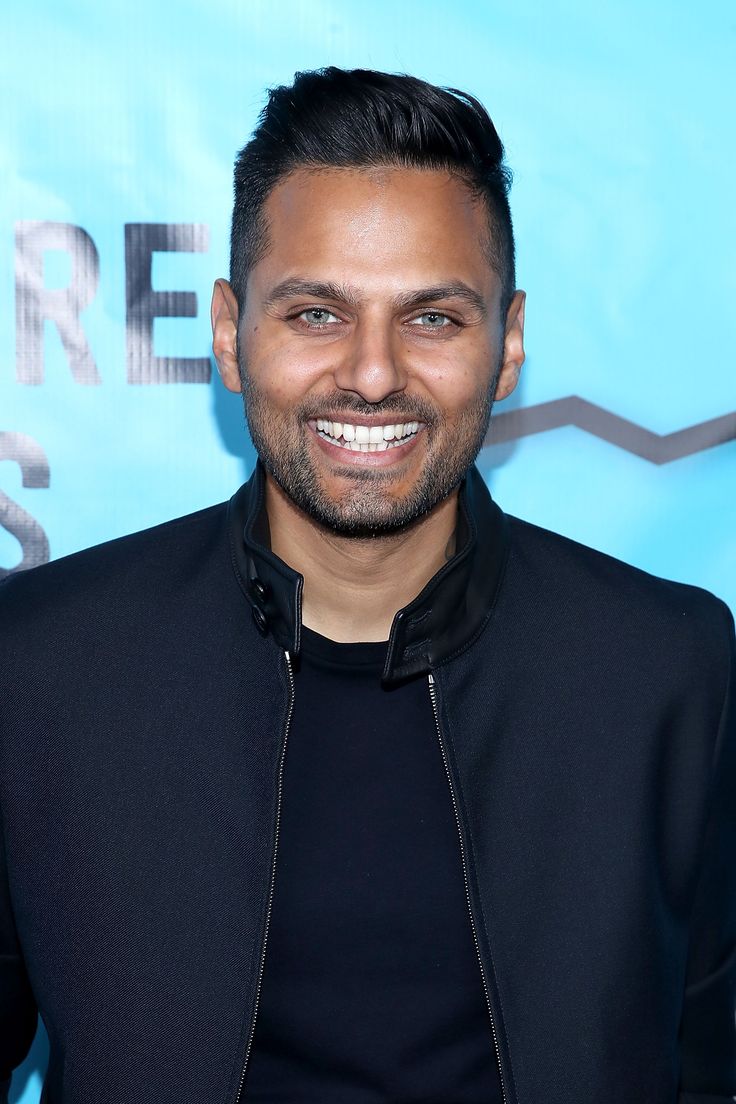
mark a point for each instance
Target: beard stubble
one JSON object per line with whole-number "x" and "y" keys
{"x": 367, "y": 507}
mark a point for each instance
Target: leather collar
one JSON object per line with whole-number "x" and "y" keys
{"x": 444, "y": 618}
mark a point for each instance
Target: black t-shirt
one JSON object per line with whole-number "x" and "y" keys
{"x": 371, "y": 989}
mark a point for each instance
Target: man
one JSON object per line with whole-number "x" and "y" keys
{"x": 356, "y": 788}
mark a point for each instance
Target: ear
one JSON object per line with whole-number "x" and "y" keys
{"x": 513, "y": 347}
{"x": 224, "y": 314}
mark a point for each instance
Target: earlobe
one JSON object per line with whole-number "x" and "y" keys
{"x": 224, "y": 315}
{"x": 513, "y": 347}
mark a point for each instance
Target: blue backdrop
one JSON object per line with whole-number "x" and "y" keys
{"x": 619, "y": 127}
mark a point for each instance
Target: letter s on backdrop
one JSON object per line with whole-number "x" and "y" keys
{"x": 34, "y": 467}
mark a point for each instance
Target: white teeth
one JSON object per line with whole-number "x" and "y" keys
{"x": 361, "y": 438}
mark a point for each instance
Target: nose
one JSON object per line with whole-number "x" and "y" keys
{"x": 371, "y": 363}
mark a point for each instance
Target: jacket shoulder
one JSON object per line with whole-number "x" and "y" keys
{"x": 610, "y": 598}
{"x": 132, "y": 568}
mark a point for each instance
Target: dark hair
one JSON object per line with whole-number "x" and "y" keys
{"x": 359, "y": 118}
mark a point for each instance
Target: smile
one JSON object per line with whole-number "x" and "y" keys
{"x": 363, "y": 438}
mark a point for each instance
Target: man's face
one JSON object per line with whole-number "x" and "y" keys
{"x": 370, "y": 342}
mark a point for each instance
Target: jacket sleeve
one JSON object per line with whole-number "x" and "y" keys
{"x": 708, "y": 1025}
{"x": 18, "y": 1012}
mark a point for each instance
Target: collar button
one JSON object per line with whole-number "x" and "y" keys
{"x": 259, "y": 590}
{"x": 261, "y": 620}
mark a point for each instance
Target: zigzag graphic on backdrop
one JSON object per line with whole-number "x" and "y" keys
{"x": 656, "y": 447}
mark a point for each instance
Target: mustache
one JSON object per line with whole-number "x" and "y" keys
{"x": 409, "y": 409}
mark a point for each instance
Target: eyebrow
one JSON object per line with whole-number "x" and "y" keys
{"x": 318, "y": 289}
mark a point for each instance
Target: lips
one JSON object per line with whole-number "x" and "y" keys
{"x": 374, "y": 445}
{"x": 359, "y": 437}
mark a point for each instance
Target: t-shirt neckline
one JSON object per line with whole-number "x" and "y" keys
{"x": 365, "y": 654}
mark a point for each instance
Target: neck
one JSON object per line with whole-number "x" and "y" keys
{"x": 353, "y": 587}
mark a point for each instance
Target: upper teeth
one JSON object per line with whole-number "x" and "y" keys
{"x": 363, "y": 434}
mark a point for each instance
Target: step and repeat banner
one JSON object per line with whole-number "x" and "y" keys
{"x": 120, "y": 123}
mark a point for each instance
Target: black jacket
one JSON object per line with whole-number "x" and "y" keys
{"x": 586, "y": 714}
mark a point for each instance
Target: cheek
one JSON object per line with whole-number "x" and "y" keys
{"x": 457, "y": 384}
{"x": 282, "y": 371}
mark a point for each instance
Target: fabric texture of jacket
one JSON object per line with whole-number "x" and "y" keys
{"x": 585, "y": 711}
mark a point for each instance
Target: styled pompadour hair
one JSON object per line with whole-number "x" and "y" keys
{"x": 360, "y": 118}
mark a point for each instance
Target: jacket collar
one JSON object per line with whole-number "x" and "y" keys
{"x": 444, "y": 618}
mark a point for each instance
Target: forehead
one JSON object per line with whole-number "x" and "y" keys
{"x": 397, "y": 226}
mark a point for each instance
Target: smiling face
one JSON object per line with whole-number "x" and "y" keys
{"x": 371, "y": 343}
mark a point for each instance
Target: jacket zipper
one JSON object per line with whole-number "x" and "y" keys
{"x": 433, "y": 696}
{"x": 289, "y": 712}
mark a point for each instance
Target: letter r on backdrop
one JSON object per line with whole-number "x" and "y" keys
{"x": 35, "y": 303}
